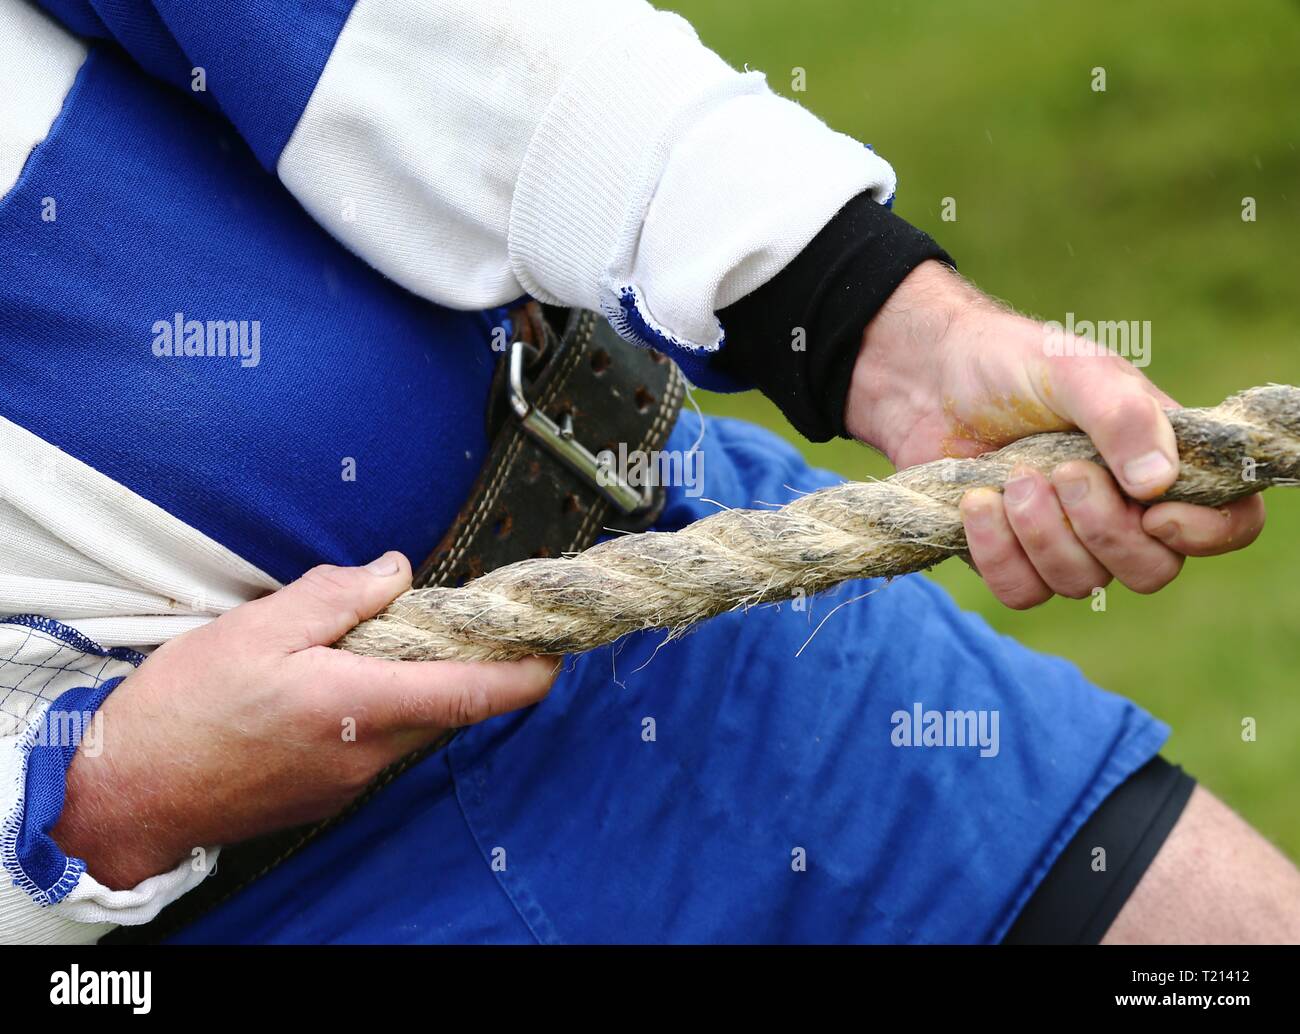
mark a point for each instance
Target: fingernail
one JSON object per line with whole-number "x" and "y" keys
{"x": 1018, "y": 489}
{"x": 384, "y": 566}
{"x": 1167, "y": 532}
{"x": 978, "y": 515}
{"x": 1151, "y": 468}
{"x": 1071, "y": 490}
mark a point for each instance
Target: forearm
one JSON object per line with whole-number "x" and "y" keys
{"x": 115, "y": 814}
{"x": 53, "y": 685}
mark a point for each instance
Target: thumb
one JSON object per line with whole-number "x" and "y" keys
{"x": 1123, "y": 413}
{"x": 328, "y": 601}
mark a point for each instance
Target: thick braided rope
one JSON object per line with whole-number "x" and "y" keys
{"x": 738, "y": 558}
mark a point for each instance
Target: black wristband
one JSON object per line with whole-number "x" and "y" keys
{"x": 796, "y": 338}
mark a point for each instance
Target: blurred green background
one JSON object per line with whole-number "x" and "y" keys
{"x": 1117, "y": 205}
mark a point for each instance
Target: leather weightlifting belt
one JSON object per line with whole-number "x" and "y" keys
{"x": 558, "y": 404}
{"x": 561, "y": 403}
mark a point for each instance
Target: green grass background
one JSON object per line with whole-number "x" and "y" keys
{"x": 1117, "y": 205}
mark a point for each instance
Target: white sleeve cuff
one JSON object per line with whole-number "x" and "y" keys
{"x": 91, "y": 910}
{"x": 91, "y": 902}
{"x": 661, "y": 186}
{"x": 590, "y": 153}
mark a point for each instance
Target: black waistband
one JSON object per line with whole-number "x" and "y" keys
{"x": 1099, "y": 869}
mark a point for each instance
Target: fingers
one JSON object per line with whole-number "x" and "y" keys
{"x": 997, "y": 554}
{"x": 1036, "y": 518}
{"x": 400, "y": 695}
{"x": 327, "y": 601}
{"x": 1123, "y": 414}
{"x": 1075, "y": 532}
{"x": 1203, "y": 530}
{"x": 1110, "y": 528}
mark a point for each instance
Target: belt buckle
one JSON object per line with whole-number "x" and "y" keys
{"x": 562, "y": 444}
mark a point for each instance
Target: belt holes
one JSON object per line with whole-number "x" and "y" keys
{"x": 644, "y": 400}
{"x": 503, "y": 525}
{"x": 600, "y": 360}
{"x": 571, "y": 504}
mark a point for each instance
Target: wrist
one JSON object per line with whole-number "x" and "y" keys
{"x": 887, "y": 390}
{"x": 898, "y": 377}
{"x": 109, "y": 817}
{"x": 798, "y": 336}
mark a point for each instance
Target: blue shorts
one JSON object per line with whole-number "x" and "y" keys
{"x": 910, "y": 777}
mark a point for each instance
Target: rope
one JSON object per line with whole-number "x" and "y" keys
{"x": 739, "y": 558}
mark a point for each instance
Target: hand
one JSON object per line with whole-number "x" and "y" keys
{"x": 252, "y": 724}
{"x": 946, "y": 371}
